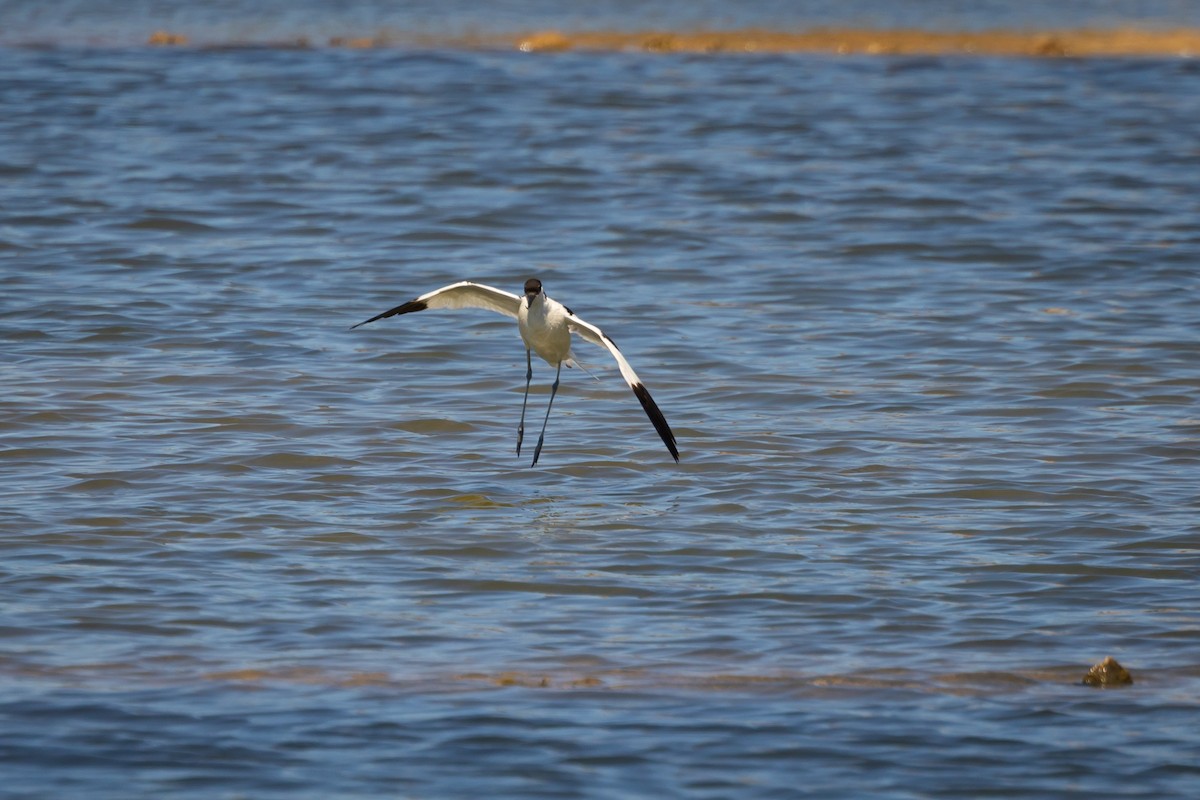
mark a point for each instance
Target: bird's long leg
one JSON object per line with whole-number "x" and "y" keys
{"x": 537, "y": 451}
{"x": 525, "y": 402}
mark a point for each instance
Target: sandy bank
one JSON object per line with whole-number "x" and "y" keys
{"x": 1069, "y": 43}
{"x": 1080, "y": 43}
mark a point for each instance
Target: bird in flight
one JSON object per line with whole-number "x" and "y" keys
{"x": 546, "y": 327}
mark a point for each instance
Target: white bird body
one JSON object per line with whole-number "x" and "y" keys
{"x": 545, "y": 329}
{"x": 545, "y": 326}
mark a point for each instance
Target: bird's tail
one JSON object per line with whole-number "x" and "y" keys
{"x": 573, "y": 362}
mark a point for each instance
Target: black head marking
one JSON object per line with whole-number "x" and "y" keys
{"x": 533, "y": 286}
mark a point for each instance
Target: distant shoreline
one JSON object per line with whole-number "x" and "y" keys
{"x": 1059, "y": 43}
{"x": 1072, "y": 43}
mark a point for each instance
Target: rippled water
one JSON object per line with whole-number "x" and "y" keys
{"x": 926, "y": 330}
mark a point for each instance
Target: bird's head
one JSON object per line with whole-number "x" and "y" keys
{"x": 533, "y": 288}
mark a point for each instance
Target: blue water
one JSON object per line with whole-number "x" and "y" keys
{"x": 925, "y": 330}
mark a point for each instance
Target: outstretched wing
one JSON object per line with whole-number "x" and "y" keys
{"x": 597, "y": 337}
{"x": 463, "y": 294}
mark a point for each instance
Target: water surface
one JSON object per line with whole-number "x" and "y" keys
{"x": 925, "y": 330}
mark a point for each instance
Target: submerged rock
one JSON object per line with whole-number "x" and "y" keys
{"x": 1108, "y": 673}
{"x": 166, "y": 39}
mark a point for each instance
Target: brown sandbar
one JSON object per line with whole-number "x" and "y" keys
{"x": 1067, "y": 43}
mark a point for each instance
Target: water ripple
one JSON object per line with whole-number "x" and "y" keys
{"x": 924, "y": 330}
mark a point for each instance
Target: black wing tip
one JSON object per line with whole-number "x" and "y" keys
{"x": 656, "y": 416}
{"x": 410, "y": 306}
